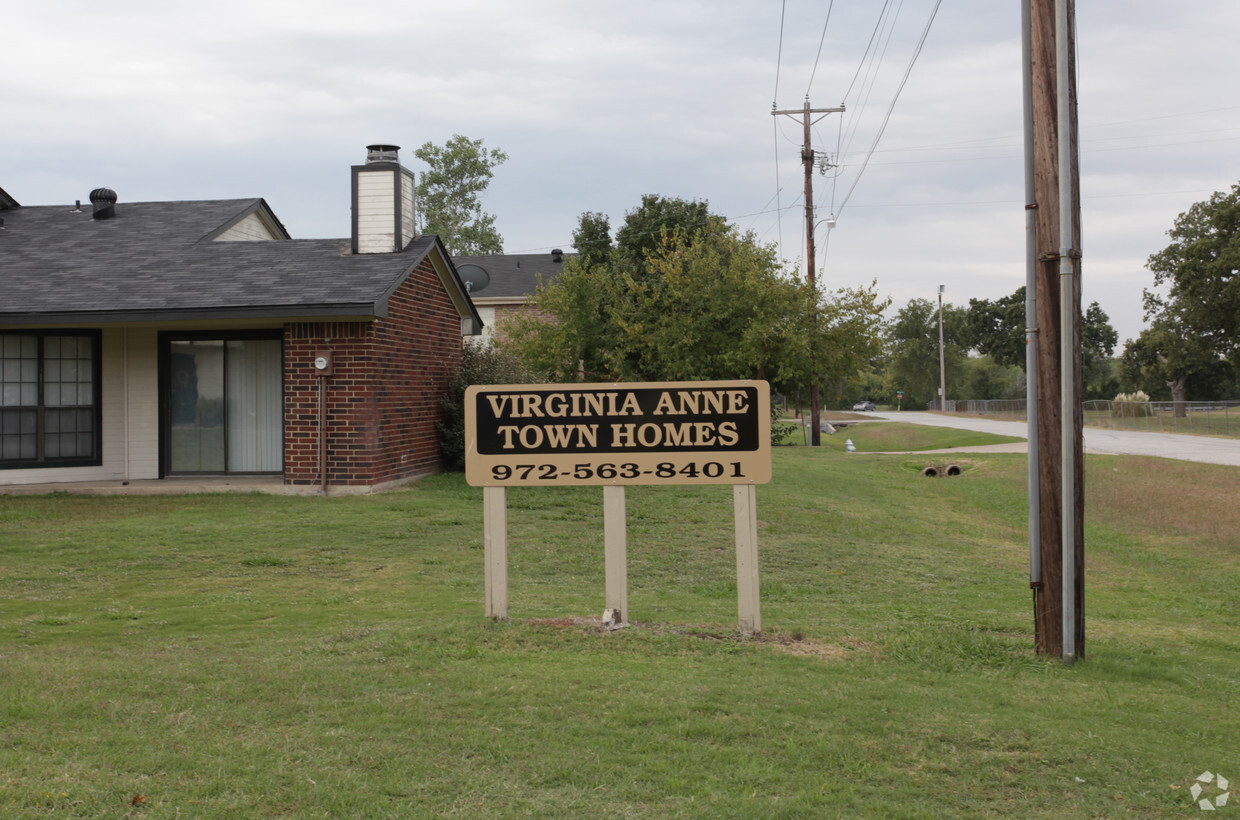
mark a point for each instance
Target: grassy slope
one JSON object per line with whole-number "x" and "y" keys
{"x": 226, "y": 656}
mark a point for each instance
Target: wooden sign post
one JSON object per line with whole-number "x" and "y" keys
{"x": 615, "y": 435}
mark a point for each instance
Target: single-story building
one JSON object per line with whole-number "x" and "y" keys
{"x": 148, "y": 340}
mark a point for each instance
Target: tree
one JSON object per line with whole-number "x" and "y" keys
{"x": 703, "y": 302}
{"x": 913, "y": 349}
{"x": 1098, "y": 340}
{"x": 658, "y": 225}
{"x": 983, "y": 378}
{"x": 1195, "y": 319}
{"x": 1167, "y": 362}
{"x": 592, "y": 239}
{"x": 997, "y": 329}
{"x": 448, "y": 192}
{"x": 480, "y": 364}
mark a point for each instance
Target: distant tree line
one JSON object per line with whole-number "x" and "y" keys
{"x": 680, "y": 294}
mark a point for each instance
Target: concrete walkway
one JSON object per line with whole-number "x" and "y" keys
{"x": 1207, "y": 449}
{"x": 166, "y": 486}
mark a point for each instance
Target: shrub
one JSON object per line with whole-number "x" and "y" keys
{"x": 1132, "y": 405}
{"x": 480, "y": 364}
{"x": 781, "y": 428}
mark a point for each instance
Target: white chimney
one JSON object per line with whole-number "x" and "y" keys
{"x": 383, "y": 202}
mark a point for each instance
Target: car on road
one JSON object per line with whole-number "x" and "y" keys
{"x": 862, "y": 406}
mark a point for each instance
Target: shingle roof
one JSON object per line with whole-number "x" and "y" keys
{"x": 513, "y": 274}
{"x": 153, "y": 259}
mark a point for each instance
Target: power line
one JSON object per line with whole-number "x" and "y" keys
{"x": 912, "y": 61}
{"x": 870, "y": 45}
{"x": 779, "y": 54}
{"x": 821, "y": 40}
{"x": 888, "y": 25}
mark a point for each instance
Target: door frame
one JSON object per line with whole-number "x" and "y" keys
{"x": 166, "y": 338}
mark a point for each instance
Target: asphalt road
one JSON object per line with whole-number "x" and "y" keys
{"x": 1208, "y": 449}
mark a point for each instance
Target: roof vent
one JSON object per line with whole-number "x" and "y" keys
{"x": 557, "y": 255}
{"x": 104, "y": 200}
{"x": 382, "y": 153}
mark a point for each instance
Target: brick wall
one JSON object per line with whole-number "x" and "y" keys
{"x": 383, "y": 399}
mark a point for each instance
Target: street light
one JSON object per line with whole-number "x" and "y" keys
{"x": 815, "y": 406}
{"x": 942, "y": 370}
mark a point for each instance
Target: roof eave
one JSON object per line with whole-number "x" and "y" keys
{"x": 338, "y": 312}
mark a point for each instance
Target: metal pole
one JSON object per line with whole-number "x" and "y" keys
{"x": 1067, "y": 321}
{"x": 1031, "y": 306}
{"x": 942, "y": 370}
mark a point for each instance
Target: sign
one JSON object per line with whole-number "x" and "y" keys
{"x": 618, "y": 434}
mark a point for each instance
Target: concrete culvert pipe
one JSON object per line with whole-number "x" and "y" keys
{"x": 930, "y": 471}
{"x": 952, "y": 469}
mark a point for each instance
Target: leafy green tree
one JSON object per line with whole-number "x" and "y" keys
{"x": 1167, "y": 362}
{"x": 703, "y": 302}
{"x": 1194, "y": 309}
{"x": 997, "y": 329}
{"x": 1098, "y": 340}
{"x": 448, "y": 195}
{"x": 984, "y": 378}
{"x": 849, "y": 341}
{"x": 659, "y": 225}
{"x": 1200, "y": 270}
{"x": 592, "y": 239}
{"x": 571, "y": 334}
{"x": 913, "y": 349}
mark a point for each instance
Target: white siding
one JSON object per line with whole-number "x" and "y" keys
{"x": 250, "y": 229}
{"x": 143, "y": 416}
{"x": 130, "y": 431}
{"x": 407, "y": 203}
{"x": 376, "y": 212}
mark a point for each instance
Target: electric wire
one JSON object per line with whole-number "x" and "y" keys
{"x": 876, "y": 60}
{"x": 821, "y": 40}
{"x": 779, "y": 56}
{"x": 869, "y": 46}
{"x": 912, "y": 61}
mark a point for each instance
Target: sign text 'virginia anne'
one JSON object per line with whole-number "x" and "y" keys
{"x": 625, "y": 433}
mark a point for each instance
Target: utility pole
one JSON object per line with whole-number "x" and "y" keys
{"x": 1059, "y": 588}
{"x": 807, "y": 158}
{"x": 942, "y": 367}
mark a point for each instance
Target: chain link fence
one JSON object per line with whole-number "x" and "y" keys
{"x": 1209, "y": 418}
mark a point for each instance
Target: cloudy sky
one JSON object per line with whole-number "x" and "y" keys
{"x": 597, "y": 103}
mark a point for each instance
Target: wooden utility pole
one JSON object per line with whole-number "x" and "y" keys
{"x": 1059, "y": 616}
{"x": 807, "y": 158}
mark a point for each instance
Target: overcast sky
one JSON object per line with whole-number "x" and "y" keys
{"x": 597, "y": 103}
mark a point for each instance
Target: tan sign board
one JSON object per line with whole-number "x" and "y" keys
{"x": 617, "y": 434}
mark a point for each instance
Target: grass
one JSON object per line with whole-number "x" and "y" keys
{"x": 1222, "y": 422}
{"x": 881, "y": 437}
{"x": 229, "y": 656}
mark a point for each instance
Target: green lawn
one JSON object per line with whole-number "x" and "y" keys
{"x": 249, "y": 656}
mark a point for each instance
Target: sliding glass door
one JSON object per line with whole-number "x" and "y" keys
{"x": 224, "y": 401}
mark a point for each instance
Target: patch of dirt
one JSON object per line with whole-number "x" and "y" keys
{"x": 804, "y": 648}
{"x": 790, "y": 644}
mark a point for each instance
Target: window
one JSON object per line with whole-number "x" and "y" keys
{"x": 49, "y": 399}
